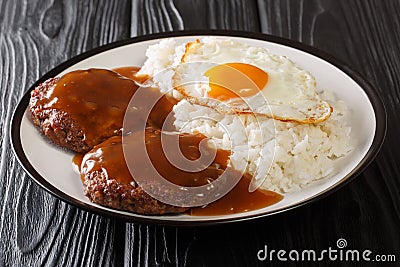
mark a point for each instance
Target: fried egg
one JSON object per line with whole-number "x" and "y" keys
{"x": 234, "y": 77}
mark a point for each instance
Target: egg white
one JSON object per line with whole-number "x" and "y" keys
{"x": 289, "y": 95}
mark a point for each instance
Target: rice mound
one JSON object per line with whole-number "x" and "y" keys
{"x": 281, "y": 156}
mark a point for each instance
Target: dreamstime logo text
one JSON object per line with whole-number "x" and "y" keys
{"x": 338, "y": 253}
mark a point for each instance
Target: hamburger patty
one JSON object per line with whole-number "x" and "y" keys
{"x": 56, "y": 124}
{"x": 108, "y": 182}
{"x": 82, "y": 108}
{"x": 106, "y": 191}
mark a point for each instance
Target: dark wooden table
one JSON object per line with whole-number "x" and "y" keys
{"x": 38, "y": 229}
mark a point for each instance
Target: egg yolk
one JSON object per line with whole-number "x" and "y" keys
{"x": 235, "y": 80}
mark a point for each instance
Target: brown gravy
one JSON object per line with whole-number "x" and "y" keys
{"x": 96, "y": 99}
{"x": 108, "y": 156}
{"x": 239, "y": 199}
{"x": 128, "y": 72}
{"x": 149, "y": 96}
{"x": 77, "y": 161}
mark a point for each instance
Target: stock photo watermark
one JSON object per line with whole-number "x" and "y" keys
{"x": 193, "y": 196}
{"x": 340, "y": 252}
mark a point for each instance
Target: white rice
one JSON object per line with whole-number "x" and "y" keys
{"x": 282, "y": 156}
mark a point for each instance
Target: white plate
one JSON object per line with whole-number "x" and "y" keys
{"x": 51, "y": 166}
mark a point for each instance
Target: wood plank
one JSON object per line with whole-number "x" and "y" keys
{"x": 163, "y": 16}
{"x": 36, "y": 228}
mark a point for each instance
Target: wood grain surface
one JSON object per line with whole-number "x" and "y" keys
{"x": 36, "y": 229}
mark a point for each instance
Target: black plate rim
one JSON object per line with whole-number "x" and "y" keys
{"x": 374, "y": 98}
